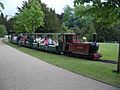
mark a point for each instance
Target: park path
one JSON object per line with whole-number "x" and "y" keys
{"x": 19, "y": 71}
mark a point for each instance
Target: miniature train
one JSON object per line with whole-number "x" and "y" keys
{"x": 60, "y": 43}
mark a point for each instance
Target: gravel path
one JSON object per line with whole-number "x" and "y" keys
{"x": 19, "y": 71}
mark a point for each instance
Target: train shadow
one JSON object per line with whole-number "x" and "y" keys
{"x": 107, "y": 61}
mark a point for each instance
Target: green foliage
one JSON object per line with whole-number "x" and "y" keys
{"x": 105, "y": 33}
{"x": 24, "y": 5}
{"x": 107, "y": 11}
{"x": 2, "y": 31}
{"x": 116, "y": 29}
{"x": 7, "y": 22}
{"x": 69, "y": 21}
{"x": 1, "y": 22}
{"x": 86, "y": 26}
{"x": 51, "y": 21}
{"x": 68, "y": 13}
{"x": 74, "y": 19}
{"x": 68, "y": 17}
{"x": 1, "y": 6}
{"x": 83, "y": 20}
{"x": 30, "y": 18}
{"x": 9, "y": 25}
{"x": 81, "y": 10}
{"x": 101, "y": 39}
{"x": 65, "y": 29}
{"x": 91, "y": 31}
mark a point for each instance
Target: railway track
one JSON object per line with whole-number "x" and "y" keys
{"x": 108, "y": 61}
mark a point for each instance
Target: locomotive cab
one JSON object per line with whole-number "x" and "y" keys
{"x": 73, "y": 46}
{"x": 68, "y": 40}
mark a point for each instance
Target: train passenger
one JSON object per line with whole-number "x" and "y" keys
{"x": 55, "y": 43}
{"x": 21, "y": 38}
{"x": 18, "y": 39}
{"x": 14, "y": 38}
{"x": 84, "y": 39}
{"x": 46, "y": 41}
{"x": 50, "y": 42}
{"x": 42, "y": 41}
{"x": 24, "y": 39}
{"x": 38, "y": 40}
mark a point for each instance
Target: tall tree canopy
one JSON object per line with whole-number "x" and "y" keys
{"x": 30, "y": 18}
{"x": 2, "y": 31}
{"x": 107, "y": 11}
{"x": 52, "y": 23}
{"x": 85, "y": 20}
{"x": 3, "y": 19}
{"x": 7, "y": 22}
{"x": 74, "y": 20}
{"x": 1, "y": 6}
{"x": 105, "y": 14}
{"x": 68, "y": 17}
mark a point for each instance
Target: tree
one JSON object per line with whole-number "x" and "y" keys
{"x": 88, "y": 24}
{"x": 4, "y": 21}
{"x": 2, "y": 27}
{"x": 2, "y": 31}
{"x": 91, "y": 31}
{"x": 69, "y": 21}
{"x": 68, "y": 17}
{"x": 1, "y": 6}
{"x": 7, "y": 22}
{"x": 73, "y": 19}
{"x": 52, "y": 23}
{"x": 30, "y": 18}
{"x": 60, "y": 16}
{"x": 85, "y": 21}
{"x": 116, "y": 29}
{"x": 107, "y": 11}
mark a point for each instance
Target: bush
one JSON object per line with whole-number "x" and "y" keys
{"x": 100, "y": 39}
{"x": 3, "y": 31}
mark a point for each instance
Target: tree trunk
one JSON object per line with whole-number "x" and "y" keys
{"x": 118, "y": 66}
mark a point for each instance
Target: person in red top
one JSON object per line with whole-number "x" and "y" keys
{"x": 46, "y": 41}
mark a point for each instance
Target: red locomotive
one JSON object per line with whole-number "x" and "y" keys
{"x": 71, "y": 45}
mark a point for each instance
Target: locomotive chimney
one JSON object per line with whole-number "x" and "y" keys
{"x": 94, "y": 37}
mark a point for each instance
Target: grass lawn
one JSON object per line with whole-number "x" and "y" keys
{"x": 96, "y": 70}
{"x": 109, "y": 51}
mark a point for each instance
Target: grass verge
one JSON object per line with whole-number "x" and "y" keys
{"x": 109, "y": 51}
{"x": 95, "y": 70}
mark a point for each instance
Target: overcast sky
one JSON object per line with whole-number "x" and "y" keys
{"x": 58, "y": 5}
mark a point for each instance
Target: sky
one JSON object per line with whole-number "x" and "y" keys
{"x": 11, "y": 5}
